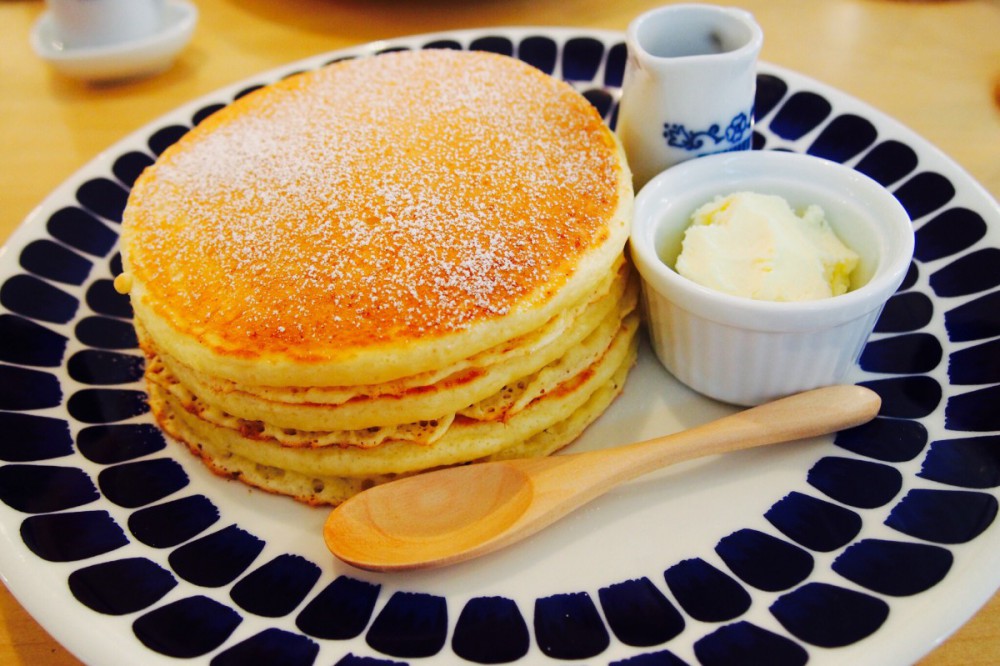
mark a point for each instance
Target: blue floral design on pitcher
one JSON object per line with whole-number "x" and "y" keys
{"x": 736, "y": 136}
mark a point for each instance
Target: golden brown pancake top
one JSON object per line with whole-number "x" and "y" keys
{"x": 376, "y": 201}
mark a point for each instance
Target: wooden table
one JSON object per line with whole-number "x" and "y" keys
{"x": 935, "y": 66}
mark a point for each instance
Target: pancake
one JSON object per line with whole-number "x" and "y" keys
{"x": 425, "y": 396}
{"x": 387, "y": 265}
{"x": 321, "y": 490}
{"x": 331, "y": 474}
{"x": 375, "y": 219}
{"x": 499, "y": 407}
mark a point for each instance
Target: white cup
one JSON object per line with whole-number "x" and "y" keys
{"x": 689, "y": 85}
{"x": 746, "y": 351}
{"x": 96, "y": 23}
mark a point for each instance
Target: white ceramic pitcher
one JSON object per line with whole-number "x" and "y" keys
{"x": 689, "y": 85}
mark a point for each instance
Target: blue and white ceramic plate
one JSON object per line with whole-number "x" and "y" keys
{"x": 865, "y": 548}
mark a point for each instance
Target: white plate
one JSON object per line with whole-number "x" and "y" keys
{"x": 86, "y": 547}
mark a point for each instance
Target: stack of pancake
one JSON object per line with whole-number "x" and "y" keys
{"x": 387, "y": 265}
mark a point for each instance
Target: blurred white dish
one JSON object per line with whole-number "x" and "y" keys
{"x": 130, "y": 59}
{"x": 746, "y": 351}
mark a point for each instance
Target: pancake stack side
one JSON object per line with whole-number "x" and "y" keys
{"x": 387, "y": 265}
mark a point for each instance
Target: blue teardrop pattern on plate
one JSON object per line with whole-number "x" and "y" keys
{"x": 889, "y": 440}
{"x": 905, "y": 312}
{"x": 115, "y": 443}
{"x": 55, "y": 262}
{"x": 165, "y": 137}
{"x": 911, "y": 353}
{"x": 612, "y": 120}
{"x": 539, "y": 52}
{"x": 72, "y": 536}
{"x": 639, "y": 614}
{"x": 844, "y": 138}
{"x": 106, "y": 333}
{"x": 45, "y": 488}
{"x": 948, "y": 233}
{"x": 582, "y": 58}
{"x": 493, "y": 44}
{"x": 975, "y": 364}
{"x": 746, "y": 643}
{"x": 907, "y": 396}
{"x": 79, "y": 229}
{"x": 129, "y": 166}
{"x": 410, "y": 626}
{"x": 276, "y": 588}
{"x": 972, "y": 273}
{"x": 600, "y": 100}
{"x": 924, "y": 193}
{"x": 568, "y": 626}
{"x": 491, "y": 630}
{"x": 967, "y": 462}
{"x": 204, "y": 112}
{"x": 26, "y": 342}
{"x": 33, "y": 437}
{"x": 103, "y": 299}
{"x": 172, "y": 523}
{"x": 22, "y": 389}
{"x": 116, "y": 267}
{"x": 764, "y": 561}
{"x": 340, "y": 611}
{"x": 354, "y": 660}
{"x": 136, "y": 484}
{"x": 975, "y": 411}
{"x": 911, "y": 277}
{"x": 216, "y": 559}
{"x": 659, "y": 658}
{"x": 977, "y": 319}
{"x": 706, "y": 593}
{"x": 770, "y": 90}
{"x": 888, "y": 162}
{"x": 828, "y": 615}
{"x": 614, "y": 66}
{"x": 187, "y": 628}
{"x": 120, "y": 587}
{"x": 894, "y": 568}
{"x": 98, "y": 366}
{"x": 450, "y": 44}
{"x": 103, "y": 197}
{"x": 801, "y": 113}
{"x": 859, "y": 483}
{"x": 100, "y": 405}
{"x": 271, "y": 646}
{"x": 943, "y": 516}
{"x": 814, "y": 523}
{"x": 246, "y": 91}
{"x": 35, "y": 298}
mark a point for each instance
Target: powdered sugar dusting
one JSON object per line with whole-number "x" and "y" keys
{"x": 404, "y": 195}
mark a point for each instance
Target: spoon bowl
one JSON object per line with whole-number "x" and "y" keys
{"x": 457, "y": 513}
{"x": 459, "y": 509}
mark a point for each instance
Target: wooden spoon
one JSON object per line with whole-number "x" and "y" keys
{"x": 457, "y": 513}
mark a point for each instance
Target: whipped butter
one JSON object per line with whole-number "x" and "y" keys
{"x": 754, "y": 245}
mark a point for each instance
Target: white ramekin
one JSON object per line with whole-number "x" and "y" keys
{"x": 745, "y": 351}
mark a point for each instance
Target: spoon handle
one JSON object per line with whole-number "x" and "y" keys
{"x": 808, "y": 414}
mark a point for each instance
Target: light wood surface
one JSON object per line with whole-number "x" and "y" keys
{"x": 934, "y": 65}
